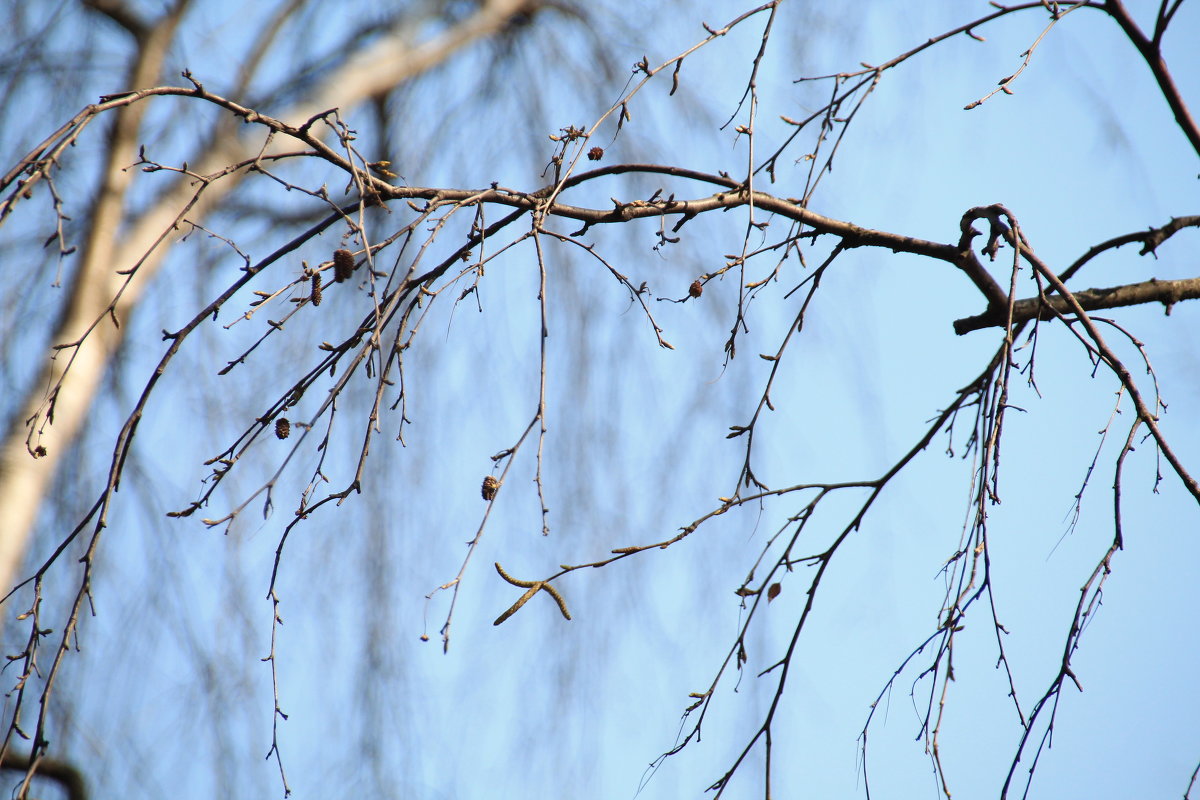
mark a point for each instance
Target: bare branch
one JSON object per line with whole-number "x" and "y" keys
{"x": 1152, "y": 291}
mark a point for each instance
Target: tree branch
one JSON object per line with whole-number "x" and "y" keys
{"x": 1153, "y": 56}
{"x": 64, "y": 773}
{"x": 1152, "y": 291}
{"x": 115, "y": 242}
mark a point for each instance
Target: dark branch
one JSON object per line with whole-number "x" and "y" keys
{"x": 1152, "y": 291}
{"x": 1149, "y": 50}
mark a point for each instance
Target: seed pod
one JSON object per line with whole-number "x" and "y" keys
{"x": 696, "y": 289}
{"x": 596, "y": 153}
{"x": 343, "y": 265}
{"x": 490, "y": 485}
{"x": 283, "y": 428}
{"x": 315, "y": 297}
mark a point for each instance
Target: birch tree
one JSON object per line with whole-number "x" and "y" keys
{"x": 372, "y": 339}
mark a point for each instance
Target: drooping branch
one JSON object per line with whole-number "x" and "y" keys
{"x": 1145, "y": 413}
{"x": 116, "y": 242}
{"x": 24, "y": 481}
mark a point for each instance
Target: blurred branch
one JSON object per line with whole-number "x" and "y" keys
{"x": 63, "y": 773}
{"x": 115, "y": 242}
{"x": 120, "y": 12}
{"x": 24, "y": 482}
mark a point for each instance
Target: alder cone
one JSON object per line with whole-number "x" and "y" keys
{"x": 343, "y": 265}
{"x": 283, "y": 428}
{"x": 696, "y": 289}
{"x": 490, "y": 485}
